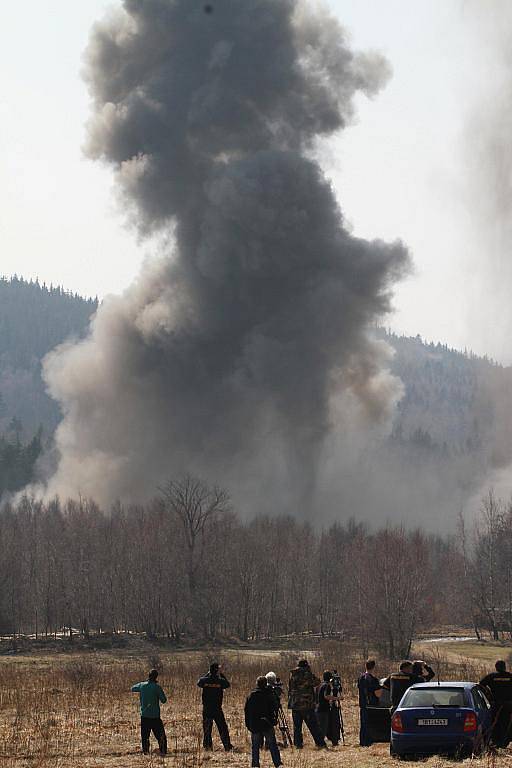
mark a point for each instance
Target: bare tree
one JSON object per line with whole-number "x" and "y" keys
{"x": 468, "y": 580}
{"x": 196, "y": 506}
{"x": 486, "y": 568}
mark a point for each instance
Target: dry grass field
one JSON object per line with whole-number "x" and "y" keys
{"x": 484, "y": 653}
{"x": 77, "y": 711}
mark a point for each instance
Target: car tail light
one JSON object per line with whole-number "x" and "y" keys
{"x": 470, "y": 723}
{"x": 396, "y": 724}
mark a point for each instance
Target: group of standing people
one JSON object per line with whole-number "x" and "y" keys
{"x": 371, "y": 690}
{"x": 312, "y": 702}
{"x": 497, "y": 686}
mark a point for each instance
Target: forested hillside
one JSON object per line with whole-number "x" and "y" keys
{"x": 454, "y": 418}
{"x": 34, "y": 318}
{"x": 453, "y": 402}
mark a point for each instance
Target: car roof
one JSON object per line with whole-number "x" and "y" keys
{"x": 444, "y": 684}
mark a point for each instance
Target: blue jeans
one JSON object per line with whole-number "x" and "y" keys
{"x": 257, "y": 740}
{"x": 307, "y": 716}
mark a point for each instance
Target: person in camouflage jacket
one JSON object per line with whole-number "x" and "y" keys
{"x": 301, "y": 700}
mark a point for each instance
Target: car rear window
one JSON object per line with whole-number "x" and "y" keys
{"x": 434, "y": 697}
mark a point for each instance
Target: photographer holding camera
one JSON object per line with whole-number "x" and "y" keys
{"x": 328, "y": 709}
{"x": 213, "y": 685}
{"x": 276, "y": 687}
{"x": 423, "y": 671}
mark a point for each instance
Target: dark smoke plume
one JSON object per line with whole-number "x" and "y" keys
{"x": 225, "y": 356}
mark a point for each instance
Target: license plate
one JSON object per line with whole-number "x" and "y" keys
{"x": 432, "y": 721}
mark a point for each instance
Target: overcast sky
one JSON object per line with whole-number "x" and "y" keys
{"x": 398, "y": 171}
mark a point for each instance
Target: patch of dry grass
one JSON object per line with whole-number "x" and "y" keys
{"x": 484, "y": 652}
{"x": 78, "y": 711}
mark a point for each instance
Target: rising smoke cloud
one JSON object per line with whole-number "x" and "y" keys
{"x": 487, "y": 195}
{"x": 226, "y": 355}
{"x": 487, "y": 176}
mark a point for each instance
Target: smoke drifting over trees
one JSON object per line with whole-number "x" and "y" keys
{"x": 225, "y": 357}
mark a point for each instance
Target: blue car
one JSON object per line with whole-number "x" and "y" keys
{"x": 444, "y": 718}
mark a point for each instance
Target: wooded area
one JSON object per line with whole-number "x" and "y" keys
{"x": 186, "y": 566}
{"x": 160, "y": 569}
{"x": 34, "y": 318}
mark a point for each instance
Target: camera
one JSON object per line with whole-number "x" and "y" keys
{"x": 336, "y": 683}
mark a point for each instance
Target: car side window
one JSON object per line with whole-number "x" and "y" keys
{"x": 483, "y": 699}
{"x": 479, "y": 699}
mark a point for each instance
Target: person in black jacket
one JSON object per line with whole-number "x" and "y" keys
{"x": 498, "y": 685}
{"x": 260, "y": 718}
{"x": 325, "y": 712}
{"x": 399, "y": 682}
{"x": 214, "y": 684}
{"x": 423, "y": 671}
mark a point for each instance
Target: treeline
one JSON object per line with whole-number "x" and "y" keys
{"x": 488, "y": 561}
{"x": 186, "y": 566}
{"x": 35, "y": 317}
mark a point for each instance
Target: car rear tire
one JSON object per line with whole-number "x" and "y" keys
{"x": 394, "y": 754}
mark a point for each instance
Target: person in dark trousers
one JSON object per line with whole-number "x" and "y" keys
{"x": 213, "y": 685}
{"x": 498, "y": 685}
{"x": 324, "y": 708}
{"x": 260, "y": 718}
{"x": 399, "y": 682}
{"x": 151, "y": 695}
{"x": 301, "y": 701}
{"x": 370, "y": 690}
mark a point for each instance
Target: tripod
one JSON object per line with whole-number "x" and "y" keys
{"x": 282, "y": 724}
{"x": 337, "y": 706}
{"x": 337, "y": 689}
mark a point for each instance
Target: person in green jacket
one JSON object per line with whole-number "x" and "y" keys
{"x": 151, "y": 694}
